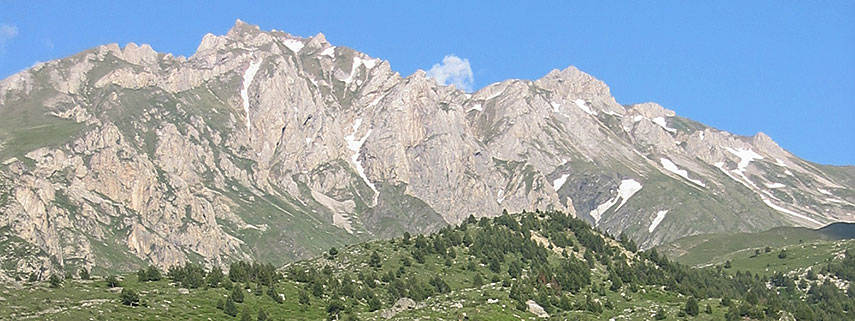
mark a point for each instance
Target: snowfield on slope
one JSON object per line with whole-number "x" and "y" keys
{"x": 671, "y": 167}
{"x": 656, "y": 220}
{"x": 248, "y": 76}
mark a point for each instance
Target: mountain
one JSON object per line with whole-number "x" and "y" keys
{"x": 266, "y": 145}
{"x": 527, "y": 266}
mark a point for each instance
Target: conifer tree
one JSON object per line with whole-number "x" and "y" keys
{"x": 55, "y": 281}
{"x": 692, "y": 306}
{"x": 229, "y": 308}
{"x": 237, "y": 293}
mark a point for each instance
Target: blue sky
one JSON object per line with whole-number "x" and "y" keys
{"x": 785, "y": 68}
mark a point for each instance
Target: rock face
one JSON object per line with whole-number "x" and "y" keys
{"x": 264, "y": 145}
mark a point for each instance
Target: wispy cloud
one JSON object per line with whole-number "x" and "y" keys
{"x": 453, "y": 71}
{"x": 7, "y": 32}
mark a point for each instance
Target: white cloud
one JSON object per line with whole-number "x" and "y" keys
{"x": 453, "y": 71}
{"x": 7, "y": 32}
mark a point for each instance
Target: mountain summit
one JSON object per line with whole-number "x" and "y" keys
{"x": 266, "y": 145}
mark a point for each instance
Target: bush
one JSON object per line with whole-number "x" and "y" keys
{"x": 112, "y": 282}
{"x": 84, "y": 274}
{"x": 129, "y": 297}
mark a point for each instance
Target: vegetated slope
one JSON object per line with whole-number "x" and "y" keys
{"x": 506, "y": 268}
{"x": 263, "y": 145}
{"x": 707, "y": 249}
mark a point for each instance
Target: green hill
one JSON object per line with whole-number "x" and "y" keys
{"x": 507, "y": 268}
{"x": 710, "y": 249}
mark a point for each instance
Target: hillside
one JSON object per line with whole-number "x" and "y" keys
{"x": 709, "y": 249}
{"x": 267, "y": 146}
{"x": 507, "y": 268}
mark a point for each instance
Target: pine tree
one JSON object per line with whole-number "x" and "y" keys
{"x": 333, "y": 252}
{"x": 214, "y": 278}
{"x": 237, "y": 293}
{"x": 661, "y": 315}
{"x": 271, "y": 291}
{"x": 141, "y": 275}
{"x": 708, "y": 310}
{"x": 55, "y": 281}
{"x": 244, "y": 316}
{"x": 262, "y": 316}
{"x": 304, "y": 298}
{"x": 374, "y": 304}
{"x": 153, "y": 273}
{"x": 84, "y": 274}
{"x": 478, "y": 280}
{"x": 692, "y": 306}
{"x": 258, "y": 290}
{"x": 229, "y": 308}
{"x": 375, "y": 260}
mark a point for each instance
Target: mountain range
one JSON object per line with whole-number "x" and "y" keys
{"x": 263, "y": 145}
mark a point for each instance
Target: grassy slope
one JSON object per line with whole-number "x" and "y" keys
{"x": 707, "y": 249}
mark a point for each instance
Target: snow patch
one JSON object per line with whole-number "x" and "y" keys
{"x": 584, "y": 107}
{"x": 787, "y": 211}
{"x": 558, "y": 182}
{"x": 477, "y": 107}
{"x": 788, "y": 172}
{"x": 637, "y": 118}
{"x": 329, "y": 52}
{"x": 368, "y": 63}
{"x": 496, "y": 94}
{"x": 500, "y": 197}
{"x": 293, "y": 44}
{"x": 248, "y": 76}
{"x": 671, "y": 167}
{"x": 598, "y": 212}
{"x": 555, "y": 107}
{"x": 627, "y": 188}
{"x": 661, "y": 122}
{"x": 824, "y": 191}
{"x": 355, "y": 145}
{"x": 774, "y": 185}
{"x": 745, "y": 156}
{"x": 701, "y": 135}
{"x": 656, "y": 220}
{"x": 780, "y": 162}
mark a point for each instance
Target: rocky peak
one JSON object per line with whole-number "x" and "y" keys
{"x": 652, "y": 110}
{"x": 139, "y": 55}
{"x": 573, "y": 82}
